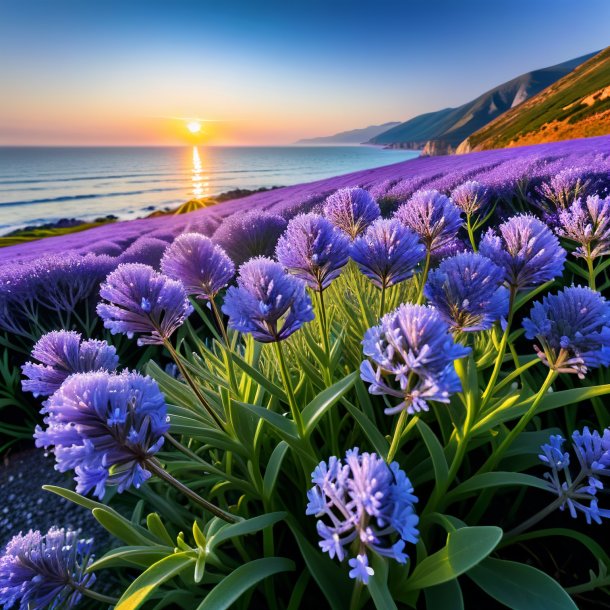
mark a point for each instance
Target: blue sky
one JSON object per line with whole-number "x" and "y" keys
{"x": 265, "y": 72}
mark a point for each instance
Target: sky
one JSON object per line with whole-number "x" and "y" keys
{"x": 264, "y": 72}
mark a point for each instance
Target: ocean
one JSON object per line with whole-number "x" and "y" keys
{"x": 41, "y": 185}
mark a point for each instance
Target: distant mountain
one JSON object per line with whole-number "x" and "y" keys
{"x": 576, "y": 106}
{"x": 355, "y": 136}
{"x": 442, "y": 131}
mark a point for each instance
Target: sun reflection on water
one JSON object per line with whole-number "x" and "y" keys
{"x": 198, "y": 177}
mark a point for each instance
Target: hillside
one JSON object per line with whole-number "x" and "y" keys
{"x": 442, "y": 131}
{"x": 354, "y": 136}
{"x": 576, "y": 106}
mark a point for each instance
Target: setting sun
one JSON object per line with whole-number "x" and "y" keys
{"x": 194, "y": 126}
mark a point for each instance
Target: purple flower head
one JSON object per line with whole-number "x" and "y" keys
{"x": 470, "y": 197}
{"x": 255, "y": 233}
{"x": 588, "y": 224}
{"x": 104, "y": 427}
{"x": 467, "y": 291}
{"x": 140, "y": 300}
{"x": 352, "y": 210}
{"x": 593, "y": 452}
{"x": 145, "y": 250}
{"x": 553, "y": 454}
{"x": 562, "y": 189}
{"x": 387, "y": 253}
{"x": 39, "y": 571}
{"x": 313, "y": 249}
{"x": 62, "y": 353}
{"x": 433, "y": 216}
{"x": 202, "y": 266}
{"x": 363, "y": 502}
{"x": 267, "y": 302}
{"x": 413, "y": 346}
{"x": 526, "y": 249}
{"x": 573, "y": 327}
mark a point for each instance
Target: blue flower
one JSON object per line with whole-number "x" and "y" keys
{"x": 62, "y": 353}
{"x": 412, "y": 345}
{"x": 267, "y": 302}
{"x": 553, "y": 454}
{"x": 140, "y": 300}
{"x": 526, "y": 250}
{"x": 39, "y": 571}
{"x": 470, "y": 197}
{"x": 352, "y": 210}
{"x": 202, "y": 266}
{"x": 362, "y": 502}
{"x": 467, "y": 292}
{"x": 573, "y": 327}
{"x": 593, "y": 452}
{"x": 387, "y": 253}
{"x": 433, "y": 216}
{"x": 104, "y": 427}
{"x": 313, "y": 250}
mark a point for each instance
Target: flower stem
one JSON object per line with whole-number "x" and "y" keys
{"x": 400, "y": 424}
{"x": 324, "y": 328}
{"x": 471, "y": 233}
{"x": 157, "y": 469}
{"x": 355, "y": 600}
{"x": 100, "y": 597}
{"x": 227, "y": 350}
{"x": 382, "y": 301}
{"x": 424, "y": 278}
{"x": 296, "y": 414}
{"x": 590, "y": 268}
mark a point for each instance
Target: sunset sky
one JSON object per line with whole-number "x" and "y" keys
{"x": 134, "y": 73}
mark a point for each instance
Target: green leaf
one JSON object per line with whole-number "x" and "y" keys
{"x": 283, "y": 425}
{"x": 495, "y": 479}
{"x": 378, "y": 584}
{"x": 370, "y": 429}
{"x": 250, "y": 526}
{"x": 175, "y": 391}
{"x": 465, "y": 548}
{"x": 519, "y": 586}
{"x": 156, "y": 527}
{"x": 435, "y": 449}
{"x": 447, "y": 596}
{"x": 259, "y": 378}
{"x": 273, "y": 469}
{"x": 120, "y": 527}
{"x": 143, "y": 586}
{"x": 314, "y": 411}
{"x": 233, "y": 586}
{"x": 142, "y": 556}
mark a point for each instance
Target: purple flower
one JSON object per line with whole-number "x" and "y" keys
{"x": 255, "y": 233}
{"x": 467, "y": 291}
{"x": 563, "y": 188}
{"x": 433, "y": 217}
{"x": 526, "y": 249}
{"x": 62, "y": 353}
{"x": 39, "y": 571}
{"x": 387, "y": 253}
{"x": 267, "y": 302}
{"x": 362, "y": 502}
{"x": 145, "y": 250}
{"x": 553, "y": 454}
{"x": 104, "y": 427}
{"x": 313, "y": 250}
{"x": 573, "y": 327}
{"x": 202, "y": 266}
{"x": 413, "y": 345}
{"x": 352, "y": 210}
{"x": 588, "y": 225}
{"x": 470, "y": 197}
{"x": 140, "y": 300}
{"x": 593, "y": 452}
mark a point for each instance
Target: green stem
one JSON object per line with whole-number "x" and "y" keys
{"x": 100, "y": 597}
{"x": 400, "y": 424}
{"x": 324, "y": 328}
{"x": 227, "y": 350}
{"x": 191, "y": 382}
{"x": 470, "y": 233}
{"x": 590, "y": 268}
{"x": 382, "y": 300}
{"x": 354, "y": 603}
{"x": 153, "y": 465}
{"x": 296, "y": 413}
{"x": 424, "y": 278}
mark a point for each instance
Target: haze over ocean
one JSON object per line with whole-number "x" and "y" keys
{"x": 39, "y": 185}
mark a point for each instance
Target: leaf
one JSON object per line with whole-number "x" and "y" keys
{"x": 378, "y": 584}
{"x": 370, "y": 429}
{"x": 250, "y": 526}
{"x": 519, "y": 586}
{"x": 435, "y": 449}
{"x": 142, "y": 556}
{"x": 120, "y": 527}
{"x": 175, "y": 391}
{"x": 143, "y": 586}
{"x": 260, "y": 378}
{"x": 231, "y": 587}
{"x": 447, "y": 596}
{"x": 283, "y": 425}
{"x": 273, "y": 469}
{"x": 495, "y": 479}
{"x": 464, "y": 549}
{"x": 314, "y": 411}
{"x": 156, "y": 527}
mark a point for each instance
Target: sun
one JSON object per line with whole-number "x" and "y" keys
{"x": 194, "y": 126}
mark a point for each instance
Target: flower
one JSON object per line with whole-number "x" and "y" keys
{"x": 104, "y": 427}
{"x": 526, "y": 249}
{"x": 145, "y": 250}
{"x": 413, "y": 345}
{"x": 202, "y": 266}
{"x": 573, "y": 327}
{"x": 244, "y": 236}
{"x": 352, "y": 210}
{"x": 467, "y": 291}
{"x": 140, "y": 300}
{"x": 267, "y": 302}
{"x": 313, "y": 249}
{"x": 365, "y": 502}
{"x": 62, "y": 353}
{"x": 563, "y": 188}
{"x": 470, "y": 197}
{"x": 433, "y": 216}
{"x": 588, "y": 225}
{"x": 39, "y": 571}
{"x": 387, "y": 253}
{"x": 593, "y": 452}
